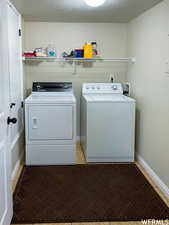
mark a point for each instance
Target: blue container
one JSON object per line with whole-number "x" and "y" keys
{"x": 79, "y": 53}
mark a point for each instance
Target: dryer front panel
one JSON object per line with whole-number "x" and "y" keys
{"x": 50, "y": 122}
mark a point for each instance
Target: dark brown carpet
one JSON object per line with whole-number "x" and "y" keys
{"x": 85, "y": 193}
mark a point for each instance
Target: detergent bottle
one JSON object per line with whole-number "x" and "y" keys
{"x": 88, "y": 51}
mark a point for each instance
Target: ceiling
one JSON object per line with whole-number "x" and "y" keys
{"x": 119, "y": 11}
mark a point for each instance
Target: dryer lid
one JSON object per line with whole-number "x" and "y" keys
{"x": 56, "y": 99}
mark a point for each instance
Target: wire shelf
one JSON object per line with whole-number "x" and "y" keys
{"x": 55, "y": 59}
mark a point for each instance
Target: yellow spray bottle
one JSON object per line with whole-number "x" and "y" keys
{"x": 88, "y": 51}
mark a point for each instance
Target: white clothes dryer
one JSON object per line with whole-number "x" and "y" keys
{"x": 50, "y": 115}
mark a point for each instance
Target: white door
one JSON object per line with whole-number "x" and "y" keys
{"x": 5, "y": 157}
{"x": 15, "y": 64}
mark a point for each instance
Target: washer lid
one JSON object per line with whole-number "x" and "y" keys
{"x": 69, "y": 99}
{"x": 107, "y": 98}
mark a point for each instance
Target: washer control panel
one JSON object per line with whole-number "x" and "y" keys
{"x": 101, "y": 88}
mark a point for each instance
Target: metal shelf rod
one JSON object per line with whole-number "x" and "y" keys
{"x": 54, "y": 59}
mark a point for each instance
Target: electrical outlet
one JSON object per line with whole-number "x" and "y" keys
{"x": 127, "y": 88}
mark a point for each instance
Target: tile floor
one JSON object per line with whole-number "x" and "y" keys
{"x": 81, "y": 160}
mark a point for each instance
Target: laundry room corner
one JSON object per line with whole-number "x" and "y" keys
{"x": 84, "y": 112}
{"x": 148, "y": 40}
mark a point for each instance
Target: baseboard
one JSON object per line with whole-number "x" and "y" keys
{"x": 17, "y": 165}
{"x": 163, "y": 187}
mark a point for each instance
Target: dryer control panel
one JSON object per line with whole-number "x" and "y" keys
{"x": 102, "y": 88}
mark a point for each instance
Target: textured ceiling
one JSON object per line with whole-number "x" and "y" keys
{"x": 77, "y": 11}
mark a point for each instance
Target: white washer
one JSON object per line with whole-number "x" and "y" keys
{"x": 107, "y": 123}
{"x": 50, "y": 115}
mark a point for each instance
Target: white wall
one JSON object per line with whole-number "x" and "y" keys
{"x": 111, "y": 39}
{"x": 148, "y": 41}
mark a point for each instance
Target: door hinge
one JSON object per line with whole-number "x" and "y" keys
{"x": 20, "y": 32}
{"x": 22, "y": 104}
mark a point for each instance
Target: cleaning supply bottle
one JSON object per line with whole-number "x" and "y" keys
{"x": 51, "y": 51}
{"x": 94, "y": 45}
{"x": 88, "y": 51}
